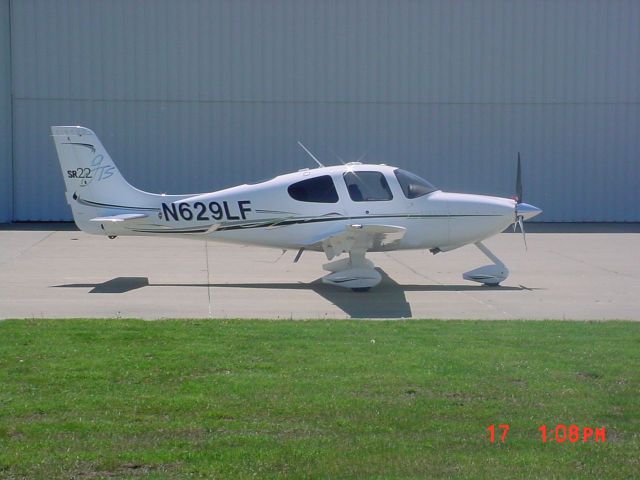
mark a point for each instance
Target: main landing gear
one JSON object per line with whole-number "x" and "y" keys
{"x": 489, "y": 275}
{"x": 355, "y": 272}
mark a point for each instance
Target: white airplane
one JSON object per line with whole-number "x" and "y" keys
{"x": 351, "y": 209}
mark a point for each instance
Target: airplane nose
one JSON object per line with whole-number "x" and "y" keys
{"x": 527, "y": 211}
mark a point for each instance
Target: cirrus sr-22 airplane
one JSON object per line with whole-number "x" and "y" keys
{"x": 350, "y": 209}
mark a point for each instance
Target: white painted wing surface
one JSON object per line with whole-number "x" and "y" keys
{"x": 120, "y": 218}
{"x": 359, "y": 238}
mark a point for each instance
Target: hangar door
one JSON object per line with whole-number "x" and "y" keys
{"x": 194, "y": 96}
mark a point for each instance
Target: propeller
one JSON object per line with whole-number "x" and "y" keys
{"x": 519, "y": 181}
{"x": 520, "y": 222}
{"x": 523, "y": 211}
{"x": 519, "y": 218}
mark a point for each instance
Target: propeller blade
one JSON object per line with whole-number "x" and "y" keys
{"x": 519, "y": 181}
{"x": 524, "y": 235}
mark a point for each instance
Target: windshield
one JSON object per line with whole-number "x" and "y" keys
{"x": 412, "y": 185}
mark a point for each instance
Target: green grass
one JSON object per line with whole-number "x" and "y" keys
{"x": 319, "y": 399}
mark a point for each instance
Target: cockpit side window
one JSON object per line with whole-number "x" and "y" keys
{"x": 412, "y": 185}
{"x": 367, "y": 186}
{"x": 317, "y": 189}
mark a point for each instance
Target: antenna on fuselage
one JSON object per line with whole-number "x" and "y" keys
{"x": 310, "y": 154}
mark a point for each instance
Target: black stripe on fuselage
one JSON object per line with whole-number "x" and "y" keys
{"x": 289, "y": 222}
{"x": 89, "y": 203}
{"x": 170, "y": 231}
{"x": 301, "y": 221}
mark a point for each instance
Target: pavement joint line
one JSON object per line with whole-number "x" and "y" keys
{"x": 593, "y": 265}
{"x": 29, "y": 247}
{"x": 488, "y": 306}
{"x": 411, "y": 269}
{"x": 206, "y": 253}
{"x": 36, "y": 244}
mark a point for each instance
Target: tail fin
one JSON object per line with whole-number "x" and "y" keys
{"x": 94, "y": 185}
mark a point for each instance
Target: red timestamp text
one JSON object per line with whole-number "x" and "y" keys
{"x": 561, "y": 433}
{"x": 572, "y": 433}
{"x": 503, "y": 428}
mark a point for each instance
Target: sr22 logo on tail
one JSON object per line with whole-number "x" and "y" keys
{"x": 99, "y": 172}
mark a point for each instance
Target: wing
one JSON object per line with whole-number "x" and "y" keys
{"x": 358, "y": 238}
{"x": 120, "y": 218}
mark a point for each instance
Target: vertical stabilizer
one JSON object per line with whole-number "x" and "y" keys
{"x": 94, "y": 185}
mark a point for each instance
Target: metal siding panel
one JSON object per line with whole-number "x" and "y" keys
{"x": 166, "y": 151}
{"x": 192, "y": 96}
{"x": 484, "y": 51}
{"x": 6, "y": 158}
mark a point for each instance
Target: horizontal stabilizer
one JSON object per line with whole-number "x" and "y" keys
{"x": 120, "y": 218}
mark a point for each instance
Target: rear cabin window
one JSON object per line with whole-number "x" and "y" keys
{"x": 367, "y": 186}
{"x": 317, "y": 190}
{"x": 412, "y": 185}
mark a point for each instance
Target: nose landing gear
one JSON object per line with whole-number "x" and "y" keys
{"x": 489, "y": 275}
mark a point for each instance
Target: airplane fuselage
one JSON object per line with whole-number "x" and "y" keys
{"x": 266, "y": 214}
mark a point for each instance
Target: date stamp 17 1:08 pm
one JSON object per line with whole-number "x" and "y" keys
{"x": 561, "y": 433}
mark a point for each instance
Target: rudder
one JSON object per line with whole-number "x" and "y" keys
{"x": 94, "y": 185}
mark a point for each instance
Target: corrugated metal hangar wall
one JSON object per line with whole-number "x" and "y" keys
{"x": 194, "y": 96}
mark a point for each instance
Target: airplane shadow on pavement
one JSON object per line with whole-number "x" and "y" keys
{"x": 387, "y": 300}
